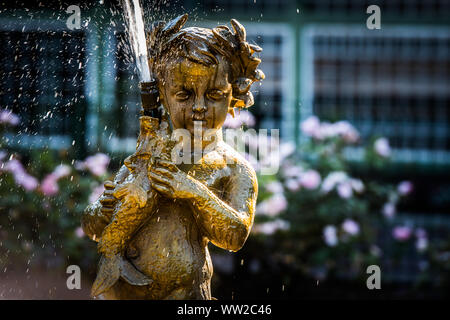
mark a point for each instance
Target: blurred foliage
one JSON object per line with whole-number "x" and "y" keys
{"x": 39, "y": 226}
{"x": 314, "y": 220}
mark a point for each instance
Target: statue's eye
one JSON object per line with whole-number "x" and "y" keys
{"x": 182, "y": 95}
{"x": 215, "y": 94}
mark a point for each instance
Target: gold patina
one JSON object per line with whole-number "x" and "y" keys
{"x": 153, "y": 223}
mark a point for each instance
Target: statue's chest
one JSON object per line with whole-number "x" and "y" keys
{"x": 211, "y": 173}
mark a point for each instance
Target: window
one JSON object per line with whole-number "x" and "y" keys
{"x": 121, "y": 100}
{"x": 43, "y": 81}
{"x": 274, "y": 96}
{"x": 394, "y": 82}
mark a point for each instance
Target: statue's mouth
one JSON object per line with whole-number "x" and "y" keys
{"x": 198, "y": 117}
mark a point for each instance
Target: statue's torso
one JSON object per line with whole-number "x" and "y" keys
{"x": 170, "y": 247}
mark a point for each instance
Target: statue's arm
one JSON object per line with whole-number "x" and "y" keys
{"x": 227, "y": 222}
{"x": 98, "y": 214}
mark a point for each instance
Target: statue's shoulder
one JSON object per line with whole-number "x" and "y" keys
{"x": 238, "y": 164}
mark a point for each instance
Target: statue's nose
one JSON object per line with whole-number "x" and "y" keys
{"x": 199, "y": 106}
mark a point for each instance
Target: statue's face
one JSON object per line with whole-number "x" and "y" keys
{"x": 194, "y": 92}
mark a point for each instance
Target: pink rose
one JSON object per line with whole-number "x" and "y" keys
{"x": 402, "y": 233}
{"x": 310, "y": 126}
{"x": 274, "y": 187}
{"x": 96, "y": 193}
{"x": 330, "y": 235}
{"x": 9, "y": 118}
{"x": 96, "y": 164}
{"x": 21, "y": 177}
{"x": 404, "y": 188}
{"x": 272, "y": 206}
{"x": 346, "y": 131}
{"x": 242, "y": 117}
{"x": 79, "y": 232}
{"x": 49, "y": 185}
{"x": 61, "y": 171}
{"x": 310, "y": 179}
{"x": 351, "y": 227}
{"x": 292, "y": 185}
{"x": 344, "y": 190}
{"x": 382, "y": 147}
{"x": 269, "y": 228}
{"x": 389, "y": 210}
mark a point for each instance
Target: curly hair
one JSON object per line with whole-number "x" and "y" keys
{"x": 203, "y": 46}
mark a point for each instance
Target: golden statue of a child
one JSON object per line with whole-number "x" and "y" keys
{"x": 154, "y": 222}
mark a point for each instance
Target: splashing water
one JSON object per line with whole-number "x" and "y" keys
{"x": 135, "y": 26}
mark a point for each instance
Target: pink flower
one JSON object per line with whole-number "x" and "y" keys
{"x": 79, "y": 232}
{"x": 21, "y": 177}
{"x": 14, "y": 166}
{"x": 346, "y": 131}
{"x": 351, "y": 227}
{"x": 310, "y": 179}
{"x": 49, "y": 185}
{"x": 389, "y": 210}
{"x": 292, "y": 185}
{"x": 330, "y": 235}
{"x": 274, "y": 187}
{"x": 242, "y": 117}
{"x": 9, "y": 118}
{"x": 421, "y": 244}
{"x": 28, "y": 182}
{"x": 271, "y": 227}
{"x": 96, "y": 193}
{"x": 357, "y": 185}
{"x": 61, "y": 171}
{"x": 382, "y": 147}
{"x": 404, "y": 188}
{"x": 231, "y": 122}
{"x": 272, "y": 206}
{"x": 344, "y": 190}
{"x": 333, "y": 178}
{"x": 310, "y": 125}
{"x": 3, "y": 155}
{"x": 291, "y": 171}
{"x": 402, "y": 233}
{"x": 286, "y": 149}
{"x": 325, "y": 130}
{"x": 96, "y": 164}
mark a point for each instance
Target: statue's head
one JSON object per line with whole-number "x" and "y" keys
{"x": 203, "y": 73}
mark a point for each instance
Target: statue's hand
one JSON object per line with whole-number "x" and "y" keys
{"x": 172, "y": 182}
{"x": 131, "y": 194}
{"x": 107, "y": 200}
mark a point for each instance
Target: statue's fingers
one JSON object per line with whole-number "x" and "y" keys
{"x": 167, "y": 164}
{"x": 108, "y": 192}
{"x": 109, "y": 185}
{"x": 158, "y": 178}
{"x": 108, "y": 202}
{"x": 106, "y": 210}
{"x": 163, "y": 172}
{"x": 162, "y": 188}
{"x": 120, "y": 192}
